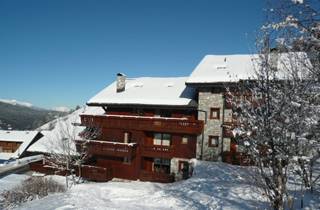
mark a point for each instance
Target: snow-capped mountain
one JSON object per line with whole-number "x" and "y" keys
{"x": 15, "y": 102}
{"x": 61, "y": 109}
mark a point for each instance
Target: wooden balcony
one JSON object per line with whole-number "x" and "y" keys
{"x": 155, "y": 124}
{"x": 96, "y": 173}
{"x": 107, "y": 148}
{"x": 155, "y": 177}
{"x": 158, "y": 151}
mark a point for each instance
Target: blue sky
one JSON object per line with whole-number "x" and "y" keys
{"x": 62, "y": 52}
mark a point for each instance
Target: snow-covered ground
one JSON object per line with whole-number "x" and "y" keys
{"x": 8, "y": 182}
{"x": 213, "y": 186}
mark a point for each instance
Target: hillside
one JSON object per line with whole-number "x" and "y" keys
{"x": 20, "y": 117}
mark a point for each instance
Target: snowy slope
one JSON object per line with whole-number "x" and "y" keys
{"x": 8, "y": 182}
{"x": 61, "y": 128}
{"x": 213, "y": 186}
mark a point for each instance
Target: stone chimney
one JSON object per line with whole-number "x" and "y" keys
{"x": 273, "y": 59}
{"x": 121, "y": 82}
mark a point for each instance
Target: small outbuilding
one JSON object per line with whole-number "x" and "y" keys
{"x": 13, "y": 144}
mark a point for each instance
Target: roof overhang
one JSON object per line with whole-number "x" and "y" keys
{"x": 192, "y": 106}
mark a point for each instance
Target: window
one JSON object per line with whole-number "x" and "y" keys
{"x": 161, "y": 165}
{"x": 184, "y": 140}
{"x": 157, "y": 139}
{"x": 213, "y": 141}
{"x": 127, "y": 160}
{"x": 7, "y": 151}
{"x": 162, "y": 139}
{"x": 0, "y": 149}
{"x": 215, "y": 113}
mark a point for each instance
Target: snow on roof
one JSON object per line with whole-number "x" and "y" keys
{"x": 232, "y": 68}
{"x": 63, "y": 129}
{"x": 26, "y": 137}
{"x": 147, "y": 91}
{"x": 222, "y": 68}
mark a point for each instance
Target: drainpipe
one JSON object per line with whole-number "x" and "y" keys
{"x": 222, "y": 123}
{"x": 202, "y": 135}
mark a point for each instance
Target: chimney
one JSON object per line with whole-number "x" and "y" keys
{"x": 121, "y": 82}
{"x": 274, "y": 58}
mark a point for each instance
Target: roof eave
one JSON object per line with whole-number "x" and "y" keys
{"x": 191, "y": 105}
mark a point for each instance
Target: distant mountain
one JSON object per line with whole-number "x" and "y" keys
{"x": 61, "y": 109}
{"x": 15, "y": 102}
{"x": 23, "y": 116}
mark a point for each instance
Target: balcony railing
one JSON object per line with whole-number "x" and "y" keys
{"x": 155, "y": 124}
{"x": 108, "y": 148}
{"x": 156, "y": 177}
{"x": 96, "y": 173}
{"x": 158, "y": 151}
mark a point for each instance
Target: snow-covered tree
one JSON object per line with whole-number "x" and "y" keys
{"x": 278, "y": 108}
{"x": 294, "y": 25}
{"x": 66, "y": 148}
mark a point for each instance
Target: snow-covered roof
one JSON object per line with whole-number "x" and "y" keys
{"x": 222, "y": 68}
{"x": 62, "y": 128}
{"x": 232, "y": 68}
{"x": 25, "y": 137}
{"x": 170, "y": 91}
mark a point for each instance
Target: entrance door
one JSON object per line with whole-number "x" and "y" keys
{"x": 184, "y": 168}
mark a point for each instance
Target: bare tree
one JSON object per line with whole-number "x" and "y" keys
{"x": 295, "y": 26}
{"x": 67, "y": 148}
{"x": 278, "y": 108}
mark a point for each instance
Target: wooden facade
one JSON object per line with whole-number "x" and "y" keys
{"x": 143, "y": 146}
{"x": 9, "y": 146}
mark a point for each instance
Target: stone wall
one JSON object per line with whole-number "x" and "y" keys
{"x": 212, "y": 127}
{"x": 174, "y": 167}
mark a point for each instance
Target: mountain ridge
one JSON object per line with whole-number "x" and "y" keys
{"x": 17, "y": 116}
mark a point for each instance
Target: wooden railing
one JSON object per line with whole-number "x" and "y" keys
{"x": 109, "y": 148}
{"x": 155, "y": 177}
{"x": 156, "y": 124}
{"x": 158, "y": 151}
{"x": 96, "y": 173}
